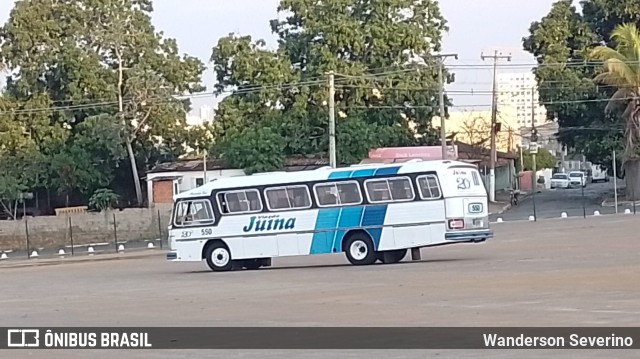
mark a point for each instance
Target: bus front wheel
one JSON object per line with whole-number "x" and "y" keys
{"x": 218, "y": 257}
{"x": 359, "y": 249}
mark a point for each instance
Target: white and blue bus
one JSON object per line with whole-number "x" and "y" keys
{"x": 369, "y": 212}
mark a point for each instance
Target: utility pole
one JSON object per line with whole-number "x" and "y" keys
{"x": 204, "y": 166}
{"x": 534, "y": 179}
{"x": 443, "y": 132}
{"x": 615, "y": 181}
{"x": 332, "y": 120}
{"x": 494, "y": 112}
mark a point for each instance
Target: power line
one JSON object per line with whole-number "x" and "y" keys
{"x": 284, "y": 86}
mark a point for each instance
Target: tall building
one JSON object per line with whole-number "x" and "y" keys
{"x": 204, "y": 115}
{"x": 518, "y": 96}
{"x": 518, "y": 99}
{"x": 3, "y": 80}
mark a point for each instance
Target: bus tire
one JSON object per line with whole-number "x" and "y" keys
{"x": 218, "y": 257}
{"x": 359, "y": 249}
{"x": 252, "y": 264}
{"x": 395, "y": 256}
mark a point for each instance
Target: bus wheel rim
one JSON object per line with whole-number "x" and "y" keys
{"x": 220, "y": 257}
{"x": 358, "y": 250}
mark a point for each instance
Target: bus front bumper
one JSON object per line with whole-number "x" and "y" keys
{"x": 469, "y": 236}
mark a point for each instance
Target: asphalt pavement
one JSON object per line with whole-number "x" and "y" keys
{"x": 575, "y": 202}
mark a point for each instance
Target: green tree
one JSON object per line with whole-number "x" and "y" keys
{"x": 621, "y": 72}
{"x": 16, "y": 178}
{"x": 386, "y": 90}
{"x": 72, "y": 170}
{"x": 562, "y": 42}
{"x": 103, "y": 199}
{"x": 109, "y": 61}
{"x": 254, "y": 149}
{"x": 544, "y": 159}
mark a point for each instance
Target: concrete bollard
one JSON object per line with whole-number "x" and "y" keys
{"x": 627, "y": 211}
{"x": 499, "y": 220}
{"x": 150, "y": 245}
{"x": 3, "y": 256}
{"x": 596, "y": 213}
{"x": 121, "y": 248}
{"x": 90, "y": 250}
{"x": 563, "y": 215}
{"x": 532, "y": 218}
{"x": 61, "y": 252}
{"x": 34, "y": 254}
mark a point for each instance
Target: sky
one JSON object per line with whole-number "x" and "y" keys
{"x": 476, "y": 26}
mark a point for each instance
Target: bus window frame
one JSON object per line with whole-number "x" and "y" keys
{"x": 387, "y": 179}
{"x": 425, "y": 176}
{"x": 266, "y": 198}
{"x": 335, "y": 184}
{"x": 224, "y": 194}
{"x": 208, "y": 222}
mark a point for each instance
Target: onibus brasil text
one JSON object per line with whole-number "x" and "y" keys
{"x": 52, "y": 339}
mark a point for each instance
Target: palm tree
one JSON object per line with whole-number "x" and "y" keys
{"x": 621, "y": 67}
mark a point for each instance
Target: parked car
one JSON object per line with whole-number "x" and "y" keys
{"x": 560, "y": 180}
{"x": 599, "y": 174}
{"x": 578, "y": 178}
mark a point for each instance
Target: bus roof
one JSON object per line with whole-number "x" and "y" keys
{"x": 320, "y": 174}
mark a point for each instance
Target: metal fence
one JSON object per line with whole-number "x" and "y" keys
{"x": 592, "y": 199}
{"x": 86, "y": 234}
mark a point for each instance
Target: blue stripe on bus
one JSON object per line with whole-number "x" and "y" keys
{"x": 374, "y": 216}
{"x": 349, "y": 217}
{"x": 322, "y": 241}
{"x": 340, "y": 174}
{"x": 363, "y": 173}
{"x": 327, "y": 241}
{"x": 384, "y": 171}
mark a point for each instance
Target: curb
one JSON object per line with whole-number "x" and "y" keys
{"x": 574, "y": 218}
{"x": 22, "y": 263}
{"x": 620, "y": 203}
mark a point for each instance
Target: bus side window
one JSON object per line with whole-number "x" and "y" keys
{"x": 429, "y": 187}
{"x": 291, "y": 197}
{"x": 244, "y": 201}
{"x": 326, "y": 194}
{"x": 349, "y": 193}
{"x": 195, "y": 212}
{"x": 378, "y": 191}
{"x": 389, "y": 190}
{"x": 338, "y": 193}
{"x": 401, "y": 188}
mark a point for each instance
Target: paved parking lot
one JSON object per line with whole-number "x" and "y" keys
{"x": 570, "y": 272}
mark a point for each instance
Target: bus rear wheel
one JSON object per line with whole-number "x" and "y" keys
{"x": 218, "y": 257}
{"x": 390, "y": 257}
{"x": 252, "y": 264}
{"x": 359, "y": 249}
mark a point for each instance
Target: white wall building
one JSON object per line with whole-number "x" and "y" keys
{"x": 204, "y": 114}
{"x": 3, "y": 80}
{"x": 518, "y": 95}
{"x": 518, "y": 98}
